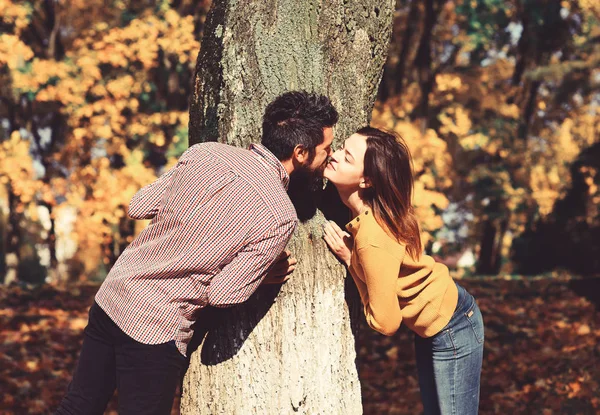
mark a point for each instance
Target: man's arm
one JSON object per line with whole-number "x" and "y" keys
{"x": 145, "y": 203}
{"x": 241, "y": 277}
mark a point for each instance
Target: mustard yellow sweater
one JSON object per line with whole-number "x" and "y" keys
{"x": 394, "y": 287}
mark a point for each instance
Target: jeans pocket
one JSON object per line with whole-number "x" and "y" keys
{"x": 444, "y": 342}
{"x": 476, "y": 322}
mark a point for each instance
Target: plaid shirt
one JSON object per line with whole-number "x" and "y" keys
{"x": 220, "y": 218}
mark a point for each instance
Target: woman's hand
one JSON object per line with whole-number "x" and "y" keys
{"x": 339, "y": 242}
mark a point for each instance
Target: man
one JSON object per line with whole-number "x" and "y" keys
{"x": 220, "y": 220}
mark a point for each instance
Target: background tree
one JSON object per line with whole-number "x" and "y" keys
{"x": 291, "y": 351}
{"x": 94, "y": 104}
{"x": 93, "y": 98}
{"x": 515, "y": 100}
{"x": 498, "y": 99}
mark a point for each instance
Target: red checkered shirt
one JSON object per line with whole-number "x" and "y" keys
{"x": 220, "y": 218}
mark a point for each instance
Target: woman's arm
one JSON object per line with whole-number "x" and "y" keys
{"x": 381, "y": 270}
{"x": 360, "y": 285}
{"x": 341, "y": 244}
{"x": 375, "y": 275}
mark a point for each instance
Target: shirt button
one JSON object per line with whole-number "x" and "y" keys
{"x": 366, "y": 212}
{"x": 358, "y": 219}
{"x": 350, "y": 225}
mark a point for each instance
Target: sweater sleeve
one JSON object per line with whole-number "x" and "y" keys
{"x": 360, "y": 284}
{"x": 381, "y": 270}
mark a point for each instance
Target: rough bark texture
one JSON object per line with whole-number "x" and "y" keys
{"x": 289, "y": 349}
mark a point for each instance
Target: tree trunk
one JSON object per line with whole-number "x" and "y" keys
{"x": 423, "y": 61}
{"x": 523, "y": 46}
{"x": 412, "y": 27}
{"x": 486, "y": 251}
{"x": 490, "y": 252}
{"x": 289, "y": 349}
{"x": 3, "y": 232}
{"x": 13, "y": 237}
{"x": 529, "y": 109}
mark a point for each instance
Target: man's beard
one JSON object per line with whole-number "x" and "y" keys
{"x": 304, "y": 190}
{"x": 310, "y": 180}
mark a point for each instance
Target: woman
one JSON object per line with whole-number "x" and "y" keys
{"x": 373, "y": 176}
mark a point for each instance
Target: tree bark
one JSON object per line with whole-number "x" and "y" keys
{"x": 289, "y": 349}
{"x": 486, "y": 251}
{"x": 13, "y": 237}
{"x": 423, "y": 61}
{"x": 412, "y": 27}
{"x": 523, "y": 46}
{"x": 490, "y": 252}
{"x": 3, "y": 232}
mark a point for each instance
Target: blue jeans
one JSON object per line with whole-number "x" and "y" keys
{"x": 449, "y": 363}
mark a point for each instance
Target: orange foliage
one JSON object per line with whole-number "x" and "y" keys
{"x": 107, "y": 89}
{"x": 123, "y": 83}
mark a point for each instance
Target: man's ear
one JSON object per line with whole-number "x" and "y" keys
{"x": 300, "y": 154}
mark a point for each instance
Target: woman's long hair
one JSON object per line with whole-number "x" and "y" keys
{"x": 388, "y": 167}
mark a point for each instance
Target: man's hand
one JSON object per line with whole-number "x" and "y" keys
{"x": 281, "y": 269}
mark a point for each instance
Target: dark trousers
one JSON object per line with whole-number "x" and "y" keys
{"x": 146, "y": 376}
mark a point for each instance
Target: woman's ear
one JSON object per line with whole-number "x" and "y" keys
{"x": 365, "y": 183}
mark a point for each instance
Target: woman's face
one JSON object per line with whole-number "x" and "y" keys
{"x": 346, "y": 167}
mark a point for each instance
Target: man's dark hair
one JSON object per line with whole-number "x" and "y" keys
{"x": 296, "y": 118}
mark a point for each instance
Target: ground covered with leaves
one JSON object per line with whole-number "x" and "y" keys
{"x": 541, "y": 353}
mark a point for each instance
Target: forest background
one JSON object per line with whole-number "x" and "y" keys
{"x": 499, "y": 101}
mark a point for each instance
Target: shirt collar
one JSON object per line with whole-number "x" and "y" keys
{"x": 272, "y": 161}
{"x": 354, "y": 225}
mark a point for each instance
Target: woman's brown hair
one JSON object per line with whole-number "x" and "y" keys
{"x": 388, "y": 167}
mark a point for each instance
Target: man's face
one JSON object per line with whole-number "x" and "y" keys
{"x": 322, "y": 152}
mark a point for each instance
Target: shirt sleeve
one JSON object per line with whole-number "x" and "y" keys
{"x": 381, "y": 271}
{"x": 145, "y": 203}
{"x": 238, "y": 280}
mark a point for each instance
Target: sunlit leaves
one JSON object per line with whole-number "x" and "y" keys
{"x": 455, "y": 119}
{"x": 113, "y": 92}
{"x": 13, "y": 52}
{"x": 16, "y": 15}
{"x": 16, "y": 168}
